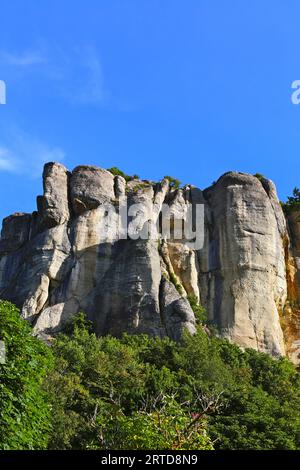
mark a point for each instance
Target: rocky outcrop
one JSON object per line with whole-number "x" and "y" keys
{"x": 247, "y": 287}
{"x": 74, "y": 254}
{"x": 53, "y": 206}
{"x": 90, "y": 187}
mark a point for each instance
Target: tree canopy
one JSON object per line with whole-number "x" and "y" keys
{"x": 140, "y": 392}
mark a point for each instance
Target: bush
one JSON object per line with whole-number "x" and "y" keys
{"x": 260, "y": 177}
{"x": 117, "y": 172}
{"x": 199, "y": 311}
{"x": 173, "y": 182}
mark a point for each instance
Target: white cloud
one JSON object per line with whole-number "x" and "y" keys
{"x": 24, "y": 59}
{"x": 27, "y": 155}
{"x": 6, "y": 160}
{"x": 76, "y": 73}
{"x": 94, "y": 90}
{"x": 81, "y": 77}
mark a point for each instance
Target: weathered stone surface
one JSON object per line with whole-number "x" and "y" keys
{"x": 185, "y": 264}
{"x": 246, "y": 275}
{"x": 291, "y": 318}
{"x": 53, "y": 206}
{"x": 119, "y": 186}
{"x": 90, "y": 186}
{"x": 176, "y": 312}
{"x": 128, "y": 291}
{"x": 15, "y": 232}
{"x": 294, "y": 225}
{"x": 34, "y": 269}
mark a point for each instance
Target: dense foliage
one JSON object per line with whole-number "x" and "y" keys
{"x": 139, "y": 392}
{"x": 24, "y": 408}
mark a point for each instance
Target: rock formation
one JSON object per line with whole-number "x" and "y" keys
{"x": 55, "y": 262}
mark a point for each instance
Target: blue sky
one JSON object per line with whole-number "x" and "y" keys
{"x": 189, "y": 88}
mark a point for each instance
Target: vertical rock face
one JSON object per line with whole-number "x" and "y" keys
{"x": 294, "y": 226}
{"x": 69, "y": 256}
{"x": 246, "y": 279}
{"x": 291, "y": 324}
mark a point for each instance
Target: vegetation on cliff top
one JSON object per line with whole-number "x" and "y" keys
{"x": 139, "y": 392}
{"x": 259, "y": 176}
{"x": 117, "y": 172}
{"x": 293, "y": 202}
{"x": 173, "y": 182}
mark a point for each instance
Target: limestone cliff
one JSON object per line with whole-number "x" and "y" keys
{"x": 291, "y": 318}
{"x": 54, "y": 262}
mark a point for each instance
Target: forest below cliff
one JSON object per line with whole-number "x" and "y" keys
{"x": 138, "y": 392}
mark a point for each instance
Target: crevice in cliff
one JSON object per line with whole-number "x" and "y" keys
{"x": 161, "y": 304}
{"x": 71, "y": 212}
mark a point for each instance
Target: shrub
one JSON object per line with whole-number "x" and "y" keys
{"x": 259, "y": 176}
{"x": 173, "y": 182}
{"x": 199, "y": 310}
{"x": 117, "y": 172}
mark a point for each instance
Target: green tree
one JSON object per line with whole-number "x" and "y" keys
{"x": 24, "y": 405}
{"x": 262, "y": 404}
{"x": 293, "y": 202}
{"x": 141, "y": 392}
{"x": 164, "y": 424}
{"x": 99, "y": 387}
{"x": 90, "y": 375}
